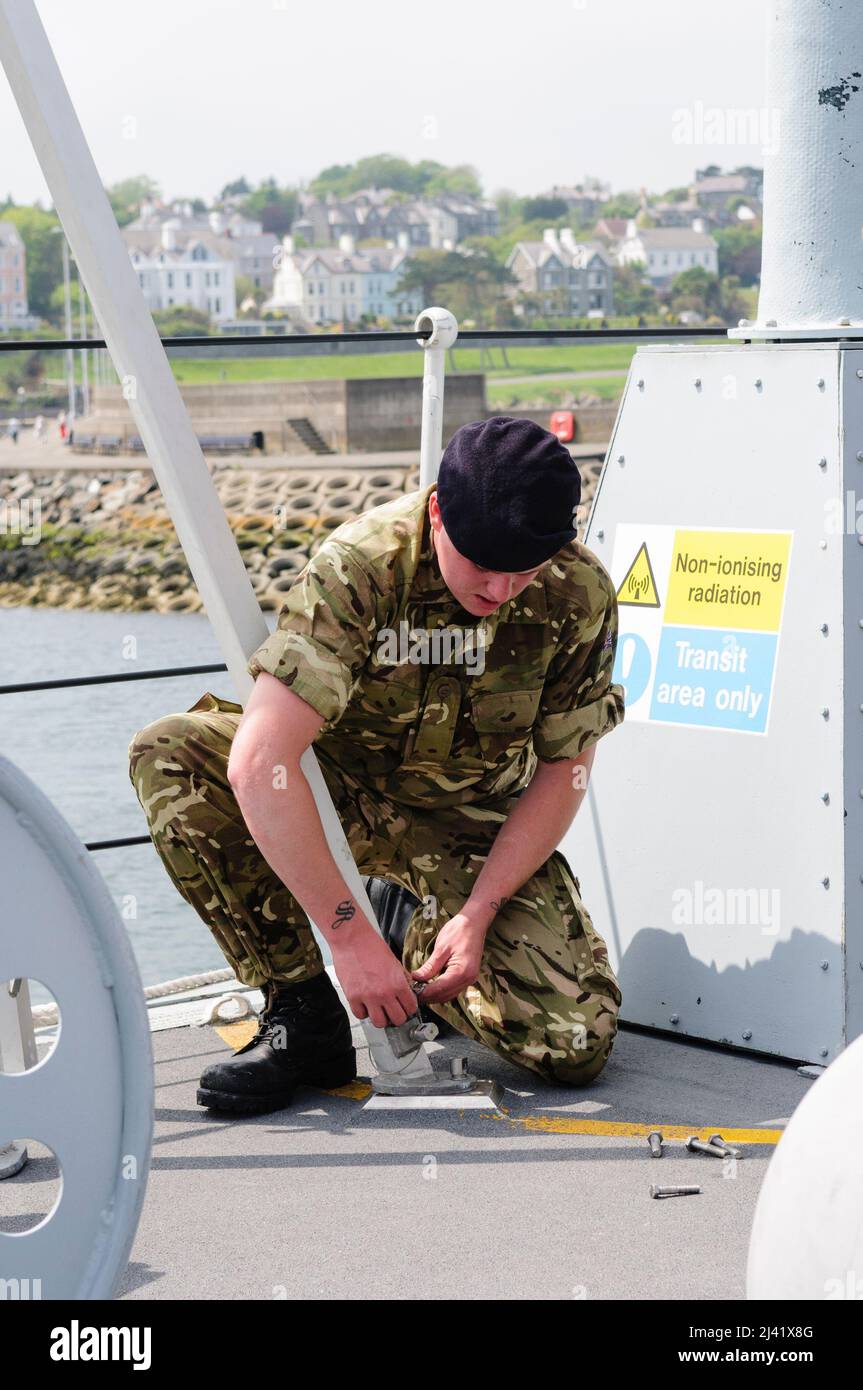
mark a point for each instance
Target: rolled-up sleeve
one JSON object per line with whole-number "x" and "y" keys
{"x": 579, "y": 701}
{"x": 324, "y": 632}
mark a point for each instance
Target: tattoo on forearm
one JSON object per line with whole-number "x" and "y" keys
{"x": 344, "y": 912}
{"x": 499, "y": 903}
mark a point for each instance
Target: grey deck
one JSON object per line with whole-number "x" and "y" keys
{"x": 326, "y": 1200}
{"x": 329, "y": 1200}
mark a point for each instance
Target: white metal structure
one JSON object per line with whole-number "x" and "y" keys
{"x": 90, "y": 1100}
{"x": 720, "y": 851}
{"x": 157, "y": 406}
{"x": 715, "y": 852}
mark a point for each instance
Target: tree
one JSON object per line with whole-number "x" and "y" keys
{"x": 632, "y": 294}
{"x": 621, "y": 205}
{"x": 389, "y": 171}
{"x": 471, "y": 282}
{"x": 274, "y": 207}
{"x": 127, "y": 196}
{"x": 461, "y": 179}
{"x": 44, "y": 255}
{"x": 740, "y": 252}
{"x": 545, "y": 210}
{"x": 246, "y": 290}
{"x": 181, "y": 321}
{"x": 695, "y": 289}
{"x": 235, "y": 189}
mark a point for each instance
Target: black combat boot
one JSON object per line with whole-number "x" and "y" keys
{"x": 394, "y": 907}
{"x": 303, "y": 1039}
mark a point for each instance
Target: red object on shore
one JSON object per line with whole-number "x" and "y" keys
{"x": 563, "y": 425}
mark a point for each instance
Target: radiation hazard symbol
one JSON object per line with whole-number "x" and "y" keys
{"x": 639, "y": 586}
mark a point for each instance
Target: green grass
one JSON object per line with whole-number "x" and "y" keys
{"x": 523, "y": 361}
{"x": 499, "y": 394}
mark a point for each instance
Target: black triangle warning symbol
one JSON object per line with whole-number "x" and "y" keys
{"x": 639, "y": 585}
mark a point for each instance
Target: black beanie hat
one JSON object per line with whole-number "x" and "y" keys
{"x": 507, "y": 491}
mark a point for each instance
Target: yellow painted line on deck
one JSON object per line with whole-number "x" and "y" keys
{"x": 238, "y": 1034}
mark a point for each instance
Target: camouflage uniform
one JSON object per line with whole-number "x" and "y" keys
{"x": 424, "y": 763}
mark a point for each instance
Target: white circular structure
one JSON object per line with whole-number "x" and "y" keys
{"x": 807, "y": 1235}
{"x": 91, "y": 1099}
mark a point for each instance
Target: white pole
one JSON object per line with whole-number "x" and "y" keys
{"x": 444, "y": 331}
{"x": 67, "y": 315}
{"x": 154, "y": 399}
{"x": 85, "y": 375}
{"x": 810, "y": 276}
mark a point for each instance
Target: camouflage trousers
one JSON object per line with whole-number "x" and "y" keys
{"x": 546, "y": 997}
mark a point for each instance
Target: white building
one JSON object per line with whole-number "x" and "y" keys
{"x": 183, "y": 271}
{"x": 13, "y": 279}
{"x": 232, "y": 236}
{"x": 668, "y": 251}
{"x": 339, "y": 286}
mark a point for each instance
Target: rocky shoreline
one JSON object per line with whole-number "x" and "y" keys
{"x": 104, "y": 540}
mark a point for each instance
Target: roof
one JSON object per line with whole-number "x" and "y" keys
{"x": 722, "y": 183}
{"x": 673, "y": 238}
{"x": 614, "y": 226}
{"x": 380, "y": 259}
{"x": 538, "y": 253}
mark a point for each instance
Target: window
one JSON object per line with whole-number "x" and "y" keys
{"x": 170, "y": 283}
{"x": 188, "y": 279}
{"x": 215, "y": 277}
{"x": 311, "y": 288}
{"x": 207, "y": 278}
{"x": 218, "y": 305}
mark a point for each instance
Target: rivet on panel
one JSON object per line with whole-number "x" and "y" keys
{"x": 621, "y": 459}
{"x": 825, "y": 797}
{"x": 825, "y": 965}
{"x": 747, "y": 1033}
{"x": 820, "y": 383}
{"x": 825, "y": 882}
{"x": 825, "y": 629}
{"x": 822, "y": 463}
{"x": 600, "y": 535}
{"x": 825, "y": 713}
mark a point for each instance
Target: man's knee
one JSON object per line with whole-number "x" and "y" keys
{"x": 163, "y": 745}
{"x": 580, "y": 1052}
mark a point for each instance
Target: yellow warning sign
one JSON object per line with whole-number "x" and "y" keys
{"x": 728, "y": 579}
{"x": 639, "y": 586}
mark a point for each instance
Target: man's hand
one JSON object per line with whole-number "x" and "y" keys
{"x": 455, "y": 959}
{"x": 377, "y": 986}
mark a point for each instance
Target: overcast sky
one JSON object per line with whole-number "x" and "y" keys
{"x": 532, "y": 92}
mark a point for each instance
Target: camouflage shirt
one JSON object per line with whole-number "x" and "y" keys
{"x": 443, "y": 732}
